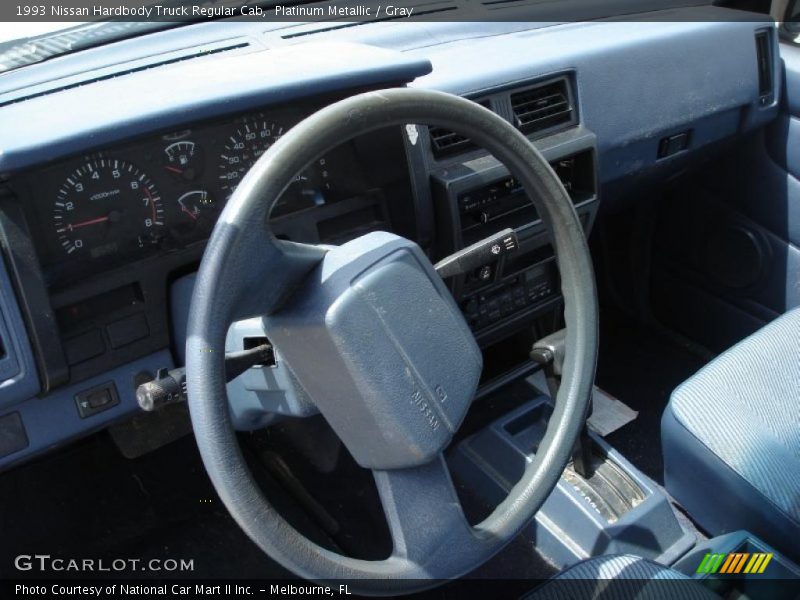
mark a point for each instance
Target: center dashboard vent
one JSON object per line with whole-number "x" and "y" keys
{"x": 445, "y": 142}
{"x": 536, "y": 109}
{"x": 543, "y": 107}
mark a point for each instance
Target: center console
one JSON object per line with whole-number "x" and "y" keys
{"x": 515, "y": 299}
{"x": 615, "y": 510}
{"x": 612, "y": 509}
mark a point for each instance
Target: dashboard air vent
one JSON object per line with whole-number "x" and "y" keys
{"x": 447, "y": 143}
{"x": 542, "y": 107}
{"x": 764, "y": 62}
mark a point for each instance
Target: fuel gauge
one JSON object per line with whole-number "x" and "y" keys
{"x": 184, "y": 160}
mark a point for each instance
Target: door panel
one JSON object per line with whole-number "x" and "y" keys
{"x": 726, "y": 252}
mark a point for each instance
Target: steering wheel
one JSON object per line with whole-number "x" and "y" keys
{"x": 375, "y": 339}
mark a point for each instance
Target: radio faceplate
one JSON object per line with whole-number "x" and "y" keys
{"x": 503, "y": 203}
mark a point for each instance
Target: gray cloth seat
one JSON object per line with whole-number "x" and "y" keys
{"x": 731, "y": 438}
{"x": 620, "y": 577}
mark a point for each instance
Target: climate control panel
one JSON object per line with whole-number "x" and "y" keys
{"x": 525, "y": 290}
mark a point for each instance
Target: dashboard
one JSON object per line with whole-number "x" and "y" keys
{"x": 163, "y": 193}
{"x": 108, "y": 195}
{"x": 114, "y": 228}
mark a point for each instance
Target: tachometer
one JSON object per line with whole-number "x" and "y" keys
{"x": 106, "y": 205}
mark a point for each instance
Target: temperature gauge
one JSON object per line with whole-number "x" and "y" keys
{"x": 196, "y": 204}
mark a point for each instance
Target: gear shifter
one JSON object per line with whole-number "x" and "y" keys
{"x": 549, "y": 353}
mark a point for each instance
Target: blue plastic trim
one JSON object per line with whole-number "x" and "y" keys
{"x": 18, "y": 377}
{"x": 260, "y": 395}
{"x": 791, "y": 63}
{"x": 54, "y": 419}
{"x": 566, "y": 529}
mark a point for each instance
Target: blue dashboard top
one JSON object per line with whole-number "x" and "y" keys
{"x": 211, "y": 69}
{"x": 188, "y": 90}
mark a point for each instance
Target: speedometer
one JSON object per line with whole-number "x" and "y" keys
{"x": 107, "y": 205}
{"x": 243, "y": 149}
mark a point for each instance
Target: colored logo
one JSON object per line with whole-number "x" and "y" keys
{"x": 735, "y": 562}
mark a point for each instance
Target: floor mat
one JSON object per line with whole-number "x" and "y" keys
{"x": 609, "y": 413}
{"x": 641, "y": 368}
{"x": 86, "y": 500}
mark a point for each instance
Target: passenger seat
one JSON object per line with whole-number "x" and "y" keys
{"x": 731, "y": 438}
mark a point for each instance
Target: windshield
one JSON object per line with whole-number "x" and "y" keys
{"x": 21, "y": 31}
{"x": 23, "y": 44}
{"x": 27, "y": 42}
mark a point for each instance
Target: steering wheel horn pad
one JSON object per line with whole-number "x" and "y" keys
{"x": 384, "y": 353}
{"x": 369, "y": 309}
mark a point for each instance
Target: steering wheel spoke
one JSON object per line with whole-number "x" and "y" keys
{"x": 266, "y": 270}
{"x": 423, "y": 511}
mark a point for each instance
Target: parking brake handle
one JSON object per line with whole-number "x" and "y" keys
{"x": 549, "y": 353}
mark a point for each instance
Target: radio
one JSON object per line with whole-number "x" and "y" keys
{"x": 481, "y": 205}
{"x": 503, "y": 202}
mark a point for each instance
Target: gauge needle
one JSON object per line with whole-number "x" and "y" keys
{"x": 189, "y": 212}
{"x": 151, "y": 201}
{"x": 174, "y": 169}
{"x": 72, "y": 226}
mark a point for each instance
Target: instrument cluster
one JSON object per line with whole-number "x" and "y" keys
{"x": 165, "y": 192}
